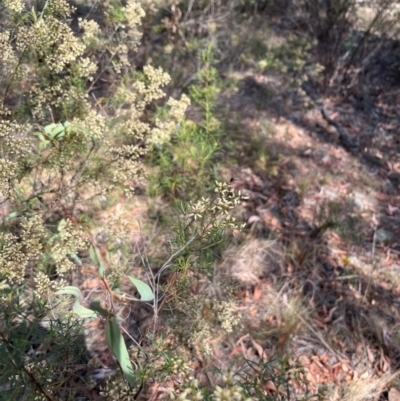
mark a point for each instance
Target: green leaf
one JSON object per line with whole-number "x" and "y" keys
{"x": 101, "y": 268}
{"x": 60, "y": 131}
{"x": 40, "y": 136}
{"x": 58, "y": 136}
{"x": 83, "y": 312}
{"x": 77, "y": 307}
{"x": 61, "y": 225}
{"x": 84, "y": 130}
{"x": 70, "y": 290}
{"x": 75, "y": 258}
{"x": 49, "y": 128}
{"x": 146, "y": 294}
{"x": 12, "y": 215}
{"x": 43, "y": 144}
{"x": 93, "y": 255}
{"x": 95, "y": 306}
{"x": 117, "y": 345}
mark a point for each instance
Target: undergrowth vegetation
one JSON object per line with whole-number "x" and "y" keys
{"x": 122, "y": 221}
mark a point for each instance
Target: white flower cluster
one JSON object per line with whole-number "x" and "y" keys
{"x": 204, "y": 317}
{"x": 13, "y": 260}
{"x": 60, "y": 8}
{"x": 191, "y": 391}
{"x": 14, "y": 5}
{"x": 231, "y": 393}
{"x": 155, "y": 79}
{"x": 35, "y": 241}
{"x": 34, "y": 236}
{"x": 227, "y": 314}
{"x": 117, "y": 390}
{"x": 163, "y": 129}
{"x": 15, "y": 253}
{"x": 126, "y": 35}
{"x": 217, "y": 212}
{"x": 14, "y": 148}
{"x": 69, "y": 241}
{"x": 52, "y": 39}
{"x": 127, "y": 168}
{"x": 90, "y": 29}
{"x": 93, "y": 122}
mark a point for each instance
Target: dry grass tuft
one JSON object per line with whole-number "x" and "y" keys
{"x": 255, "y": 259}
{"x": 366, "y": 389}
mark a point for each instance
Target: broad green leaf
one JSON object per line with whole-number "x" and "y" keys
{"x": 77, "y": 307}
{"x": 95, "y": 306}
{"x": 83, "y": 312}
{"x": 70, "y": 290}
{"x": 146, "y": 294}
{"x": 48, "y": 129}
{"x": 57, "y": 132}
{"x": 117, "y": 345}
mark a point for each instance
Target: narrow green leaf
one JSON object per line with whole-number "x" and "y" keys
{"x": 43, "y": 145}
{"x": 75, "y": 258}
{"x": 117, "y": 345}
{"x": 101, "y": 268}
{"x": 83, "y": 129}
{"x": 12, "y": 215}
{"x": 93, "y": 255}
{"x": 40, "y": 136}
{"x": 146, "y": 294}
{"x": 57, "y": 131}
{"x": 58, "y": 136}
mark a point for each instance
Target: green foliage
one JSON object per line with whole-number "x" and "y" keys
{"x": 38, "y": 354}
{"x": 292, "y": 58}
{"x": 207, "y": 220}
{"x": 117, "y": 345}
{"x": 78, "y": 122}
{"x": 77, "y": 307}
{"x": 187, "y": 162}
{"x": 273, "y": 375}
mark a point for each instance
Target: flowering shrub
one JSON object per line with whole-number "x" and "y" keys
{"x": 60, "y": 148}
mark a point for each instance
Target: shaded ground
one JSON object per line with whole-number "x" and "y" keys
{"x": 319, "y": 264}
{"x": 324, "y": 226}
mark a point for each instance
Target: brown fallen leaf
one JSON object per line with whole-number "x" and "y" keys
{"x": 392, "y": 209}
{"x": 270, "y": 386}
{"x": 260, "y": 350}
{"x": 324, "y": 358}
{"x": 371, "y": 356}
{"x": 257, "y": 293}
